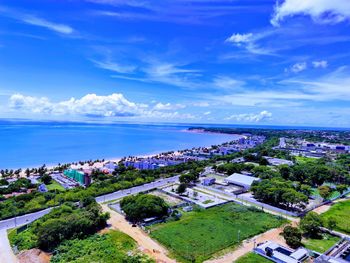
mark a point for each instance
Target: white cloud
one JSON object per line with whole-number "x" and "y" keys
{"x": 321, "y": 11}
{"x": 249, "y": 41}
{"x": 298, "y": 67}
{"x": 202, "y": 104}
{"x": 168, "y": 106}
{"x": 251, "y": 117}
{"x": 114, "y": 105}
{"x": 92, "y": 105}
{"x": 115, "y": 67}
{"x": 225, "y": 82}
{"x": 240, "y": 38}
{"x": 320, "y": 64}
{"x": 36, "y": 21}
{"x": 207, "y": 113}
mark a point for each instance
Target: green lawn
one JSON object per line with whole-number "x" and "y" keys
{"x": 200, "y": 234}
{"x": 112, "y": 247}
{"x": 302, "y": 160}
{"x": 340, "y": 212}
{"x": 54, "y": 186}
{"x": 321, "y": 245}
{"x": 252, "y": 258}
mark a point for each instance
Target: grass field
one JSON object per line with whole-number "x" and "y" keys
{"x": 321, "y": 245}
{"x": 55, "y": 186}
{"x": 111, "y": 247}
{"x": 340, "y": 212}
{"x": 200, "y": 234}
{"x": 252, "y": 258}
{"x": 302, "y": 160}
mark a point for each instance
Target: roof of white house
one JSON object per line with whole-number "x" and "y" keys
{"x": 241, "y": 179}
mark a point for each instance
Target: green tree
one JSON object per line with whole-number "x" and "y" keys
{"x": 141, "y": 206}
{"x": 310, "y": 224}
{"x": 292, "y": 235}
{"x": 46, "y": 179}
{"x": 325, "y": 191}
{"x": 341, "y": 188}
{"x": 181, "y": 188}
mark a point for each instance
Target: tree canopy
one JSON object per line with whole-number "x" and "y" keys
{"x": 141, "y": 206}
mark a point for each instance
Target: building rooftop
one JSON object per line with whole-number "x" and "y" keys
{"x": 237, "y": 178}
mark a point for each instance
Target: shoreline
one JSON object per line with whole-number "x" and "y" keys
{"x": 117, "y": 159}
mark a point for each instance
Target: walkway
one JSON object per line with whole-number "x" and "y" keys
{"x": 146, "y": 244}
{"x": 6, "y": 253}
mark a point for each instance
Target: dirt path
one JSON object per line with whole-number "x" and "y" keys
{"x": 146, "y": 244}
{"x": 6, "y": 253}
{"x": 248, "y": 245}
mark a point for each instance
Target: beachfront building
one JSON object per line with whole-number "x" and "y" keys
{"x": 281, "y": 254}
{"x": 242, "y": 180}
{"x": 78, "y": 176}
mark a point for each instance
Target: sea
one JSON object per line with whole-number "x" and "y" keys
{"x": 28, "y": 144}
{"x": 32, "y": 144}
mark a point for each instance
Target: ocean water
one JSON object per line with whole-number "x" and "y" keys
{"x": 31, "y": 144}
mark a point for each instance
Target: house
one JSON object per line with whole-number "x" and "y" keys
{"x": 241, "y": 180}
{"x": 208, "y": 181}
{"x": 281, "y": 254}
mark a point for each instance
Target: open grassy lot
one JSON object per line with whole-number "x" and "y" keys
{"x": 321, "y": 245}
{"x": 302, "y": 160}
{"x": 55, "y": 186}
{"x": 200, "y": 234}
{"x": 252, "y": 258}
{"x": 340, "y": 212}
{"x": 111, "y": 247}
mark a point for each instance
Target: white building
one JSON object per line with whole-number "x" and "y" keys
{"x": 281, "y": 254}
{"x": 241, "y": 180}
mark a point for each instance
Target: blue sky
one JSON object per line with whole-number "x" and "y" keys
{"x": 205, "y": 61}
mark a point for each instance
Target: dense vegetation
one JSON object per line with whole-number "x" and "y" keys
{"x": 63, "y": 223}
{"x": 199, "y": 234}
{"x": 111, "y": 247}
{"x": 141, "y": 206}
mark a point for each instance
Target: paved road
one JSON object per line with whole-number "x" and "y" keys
{"x": 6, "y": 253}
{"x": 28, "y": 218}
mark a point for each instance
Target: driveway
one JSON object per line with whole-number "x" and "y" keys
{"x": 146, "y": 244}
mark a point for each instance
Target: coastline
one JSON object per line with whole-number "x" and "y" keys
{"x": 116, "y": 159}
